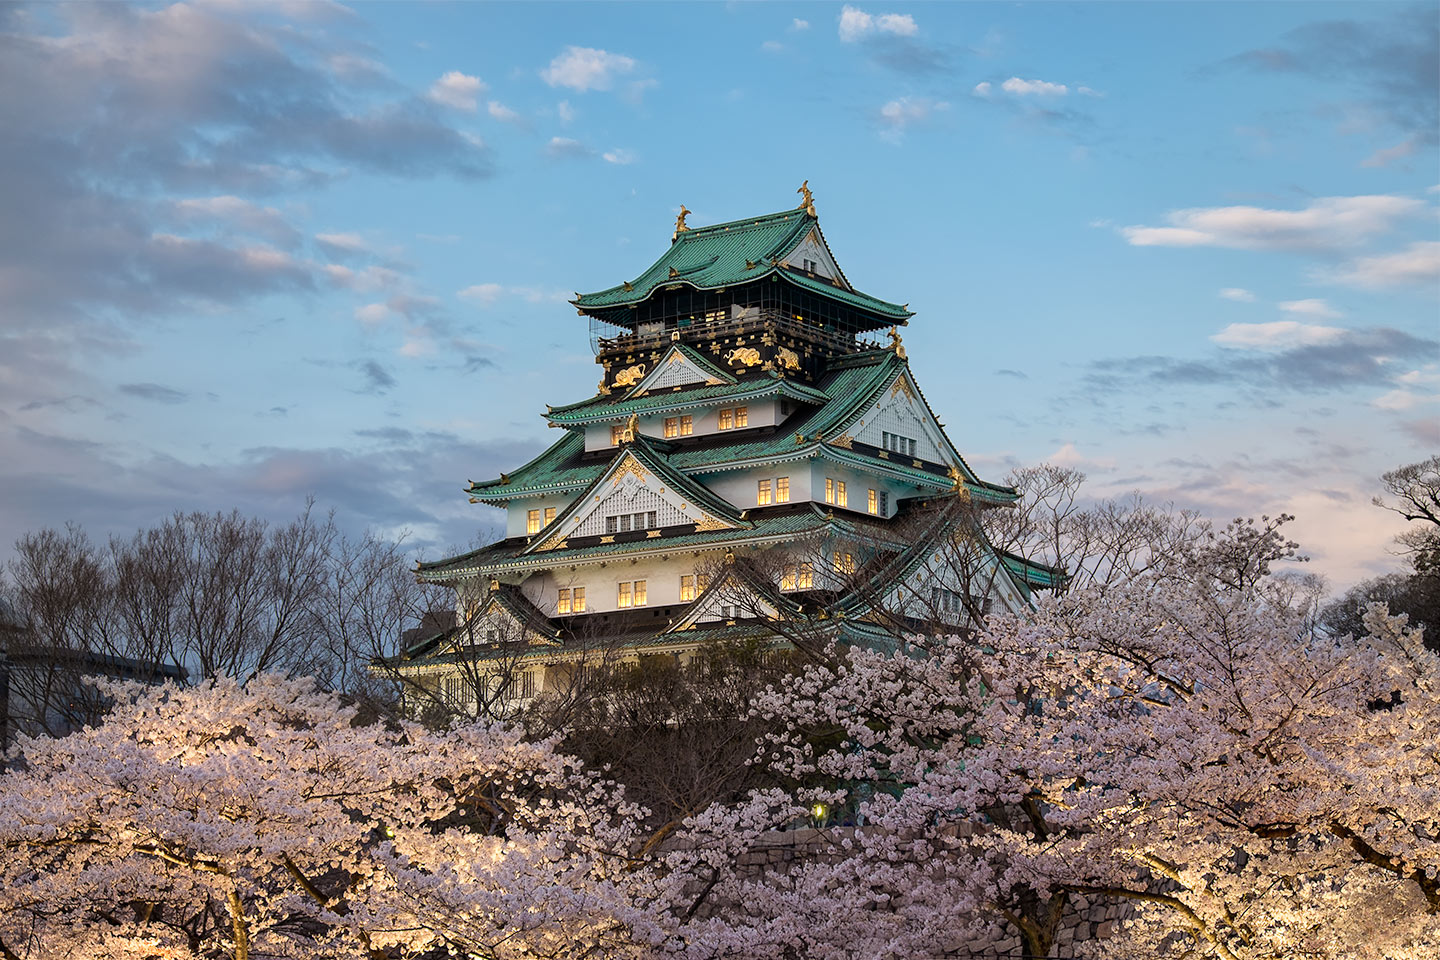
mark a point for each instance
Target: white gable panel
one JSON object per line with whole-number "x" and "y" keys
{"x": 627, "y": 490}
{"x": 675, "y": 370}
{"x": 901, "y": 413}
{"x": 813, "y": 250}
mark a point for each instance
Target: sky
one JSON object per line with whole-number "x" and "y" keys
{"x": 251, "y": 254}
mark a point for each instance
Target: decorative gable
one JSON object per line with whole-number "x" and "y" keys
{"x": 630, "y": 496}
{"x": 812, "y": 256}
{"x": 678, "y": 368}
{"x": 900, "y": 422}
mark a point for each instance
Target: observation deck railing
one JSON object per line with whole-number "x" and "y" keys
{"x": 761, "y": 320}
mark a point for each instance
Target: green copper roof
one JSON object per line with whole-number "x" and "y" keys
{"x": 851, "y": 384}
{"x": 726, "y": 254}
{"x": 601, "y": 408}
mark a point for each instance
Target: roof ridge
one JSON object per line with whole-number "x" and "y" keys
{"x": 752, "y": 222}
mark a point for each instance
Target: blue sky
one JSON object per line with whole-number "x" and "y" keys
{"x": 250, "y": 254}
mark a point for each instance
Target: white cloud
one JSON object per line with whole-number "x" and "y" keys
{"x": 619, "y": 156}
{"x": 856, "y": 24}
{"x": 1277, "y": 335}
{"x": 349, "y": 242}
{"x": 1417, "y": 263}
{"x": 1088, "y": 92}
{"x": 982, "y": 89}
{"x": 457, "y": 90}
{"x": 373, "y": 314}
{"x": 1311, "y": 308}
{"x": 371, "y": 278}
{"x": 797, "y": 24}
{"x": 565, "y": 112}
{"x": 486, "y": 293}
{"x": 772, "y": 46}
{"x": 501, "y": 112}
{"x": 1329, "y": 222}
{"x": 586, "y": 68}
{"x": 1043, "y": 88}
{"x": 1238, "y": 294}
{"x": 899, "y": 114}
{"x": 566, "y": 148}
{"x": 1070, "y": 456}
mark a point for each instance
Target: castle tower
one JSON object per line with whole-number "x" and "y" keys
{"x": 752, "y": 465}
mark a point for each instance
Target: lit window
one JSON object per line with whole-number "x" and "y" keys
{"x": 873, "y": 505}
{"x": 578, "y": 598}
{"x": 840, "y": 498}
{"x": 787, "y": 578}
{"x": 631, "y": 594}
{"x": 829, "y": 490}
{"x": 563, "y": 604}
{"x": 742, "y": 417}
{"x": 687, "y": 588}
{"x": 806, "y": 578}
{"x": 672, "y": 427}
{"x": 843, "y": 562}
{"x": 716, "y": 316}
{"x": 532, "y": 521}
{"x": 549, "y": 516}
{"x": 701, "y": 582}
{"x": 782, "y": 490}
{"x": 727, "y": 419}
{"x": 687, "y": 425}
{"x": 616, "y": 433}
{"x": 762, "y": 494}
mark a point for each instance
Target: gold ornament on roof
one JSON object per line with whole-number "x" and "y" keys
{"x": 630, "y": 375}
{"x": 632, "y": 429}
{"x": 680, "y": 222}
{"x": 895, "y": 343}
{"x": 746, "y": 355}
{"x": 808, "y": 203}
{"x": 787, "y": 359}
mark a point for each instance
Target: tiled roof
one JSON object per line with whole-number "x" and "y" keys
{"x": 726, "y": 254}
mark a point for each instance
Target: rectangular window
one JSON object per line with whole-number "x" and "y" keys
{"x": 884, "y": 503}
{"x": 806, "y": 578}
{"x": 639, "y": 593}
{"x": 631, "y": 594}
{"x": 623, "y": 598}
{"x": 787, "y": 577}
{"x": 672, "y": 427}
{"x": 912, "y": 448}
{"x": 616, "y": 432}
{"x": 578, "y": 598}
{"x": 701, "y": 582}
{"x": 782, "y": 490}
{"x": 873, "y": 503}
{"x": 843, "y": 562}
{"x": 624, "y": 523}
{"x": 563, "y": 604}
{"x": 840, "y": 498}
{"x": 687, "y": 425}
{"x": 715, "y": 316}
{"x": 742, "y": 417}
{"x": 687, "y": 588}
{"x": 612, "y": 524}
{"x": 829, "y": 490}
{"x": 532, "y": 521}
{"x": 762, "y": 494}
{"x": 650, "y": 520}
{"x": 726, "y": 419}
{"x": 549, "y": 516}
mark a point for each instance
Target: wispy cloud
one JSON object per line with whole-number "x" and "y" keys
{"x": 154, "y": 392}
{"x": 1416, "y": 264}
{"x": 1327, "y": 223}
{"x": 1238, "y": 294}
{"x": 567, "y": 148}
{"x": 1042, "y": 88}
{"x": 902, "y": 113}
{"x": 1311, "y": 308}
{"x": 458, "y": 90}
{"x": 501, "y": 112}
{"x": 620, "y": 156}
{"x": 587, "y": 68}
{"x": 1276, "y": 335}
{"x": 855, "y": 24}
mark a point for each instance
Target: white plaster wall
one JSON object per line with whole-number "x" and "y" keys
{"x": 516, "y": 512}
{"x": 762, "y": 413}
{"x": 741, "y": 487}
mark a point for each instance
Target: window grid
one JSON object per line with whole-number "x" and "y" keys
{"x": 532, "y": 521}
{"x": 829, "y": 490}
{"x": 843, "y": 562}
{"x": 840, "y": 498}
{"x": 549, "y": 516}
{"x": 631, "y": 593}
{"x": 762, "y": 493}
{"x": 687, "y": 588}
{"x": 873, "y": 502}
{"x": 782, "y": 490}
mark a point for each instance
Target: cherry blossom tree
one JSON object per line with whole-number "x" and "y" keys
{"x": 1183, "y": 742}
{"x": 265, "y": 821}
